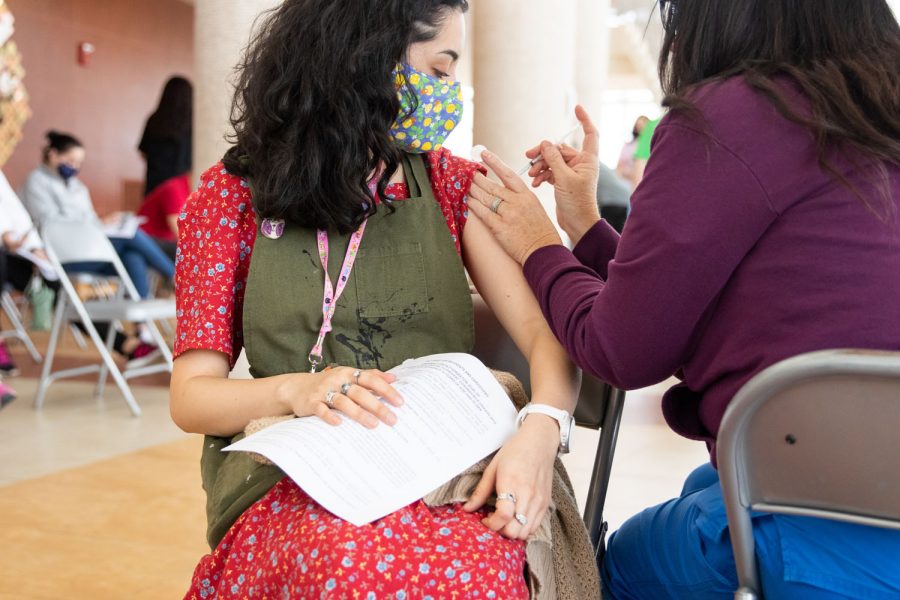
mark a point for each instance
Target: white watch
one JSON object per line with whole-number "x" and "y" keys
{"x": 565, "y": 420}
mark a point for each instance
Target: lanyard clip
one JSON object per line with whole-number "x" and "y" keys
{"x": 315, "y": 360}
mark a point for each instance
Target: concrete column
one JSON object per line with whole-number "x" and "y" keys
{"x": 524, "y": 73}
{"x": 222, "y": 31}
{"x": 592, "y": 55}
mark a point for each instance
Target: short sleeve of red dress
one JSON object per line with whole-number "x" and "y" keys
{"x": 451, "y": 178}
{"x": 216, "y": 232}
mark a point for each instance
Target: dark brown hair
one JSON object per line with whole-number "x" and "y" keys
{"x": 315, "y": 101}
{"x": 844, "y": 56}
{"x": 60, "y": 143}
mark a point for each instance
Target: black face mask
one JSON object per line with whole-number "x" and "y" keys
{"x": 66, "y": 172}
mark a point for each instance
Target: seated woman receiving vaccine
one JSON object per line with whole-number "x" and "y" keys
{"x": 331, "y": 244}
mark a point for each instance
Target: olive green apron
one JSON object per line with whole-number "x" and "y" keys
{"x": 407, "y": 297}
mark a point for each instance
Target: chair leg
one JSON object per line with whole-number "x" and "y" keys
{"x": 104, "y": 371}
{"x": 44, "y": 383}
{"x": 78, "y": 336}
{"x": 609, "y": 432}
{"x": 12, "y": 311}
{"x": 113, "y": 369}
{"x": 160, "y": 343}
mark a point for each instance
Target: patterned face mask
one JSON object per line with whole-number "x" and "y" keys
{"x": 439, "y": 111}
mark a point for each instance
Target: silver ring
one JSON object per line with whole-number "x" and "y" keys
{"x": 356, "y": 375}
{"x": 329, "y": 399}
{"x": 495, "y": 205}
{"x": 346, "y": 388}
{"x": 510, "y": 497}
{"x": 522, "y": 519}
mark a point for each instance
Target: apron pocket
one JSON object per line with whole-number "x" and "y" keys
{"x": 390, "y": 281}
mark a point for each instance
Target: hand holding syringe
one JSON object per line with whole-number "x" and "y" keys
{"x": 477, "y": 150}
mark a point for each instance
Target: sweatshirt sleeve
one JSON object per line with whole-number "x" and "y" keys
{"x": 697, "y": 214}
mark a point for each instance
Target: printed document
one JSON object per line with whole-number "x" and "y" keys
{"x": 454, "y": 414}
{"x": 125, "y": 227}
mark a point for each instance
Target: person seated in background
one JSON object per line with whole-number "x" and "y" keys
{"x": 625, "y": 167}
{"x": 54, "y": 192}
{"x": 7, "y": 393}
{"x": 23, "y": 249}
{"x": 613, "y": 197}
{"x": 166, "y": 146}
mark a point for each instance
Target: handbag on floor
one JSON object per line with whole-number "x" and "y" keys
{"x": 41, "y": 299}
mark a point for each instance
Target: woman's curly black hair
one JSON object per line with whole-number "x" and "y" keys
{"x": 314, "y": 103}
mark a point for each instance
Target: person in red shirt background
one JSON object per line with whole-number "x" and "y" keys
{"x": 166, "y": 146}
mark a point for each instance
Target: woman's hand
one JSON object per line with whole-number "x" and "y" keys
{"x": 573, "y": 175}
{"x": 11, "y": 242}
{"x": 512, "y": 213}
{"x": 113, "y": 218}
{"x": 523, "y": 468}
{"x": 324, "y": 396}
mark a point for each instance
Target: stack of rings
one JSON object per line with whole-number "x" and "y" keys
{"x": 495, "y": 205}
{"x": 345, "y": 388}
{"x": 522, "y": 519}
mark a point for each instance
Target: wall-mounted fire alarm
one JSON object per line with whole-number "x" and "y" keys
{"x": 85, "y": 51}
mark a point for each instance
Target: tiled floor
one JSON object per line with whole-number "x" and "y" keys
{"x": 97, "y": 504}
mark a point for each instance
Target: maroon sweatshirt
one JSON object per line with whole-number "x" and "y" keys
{"x": 740, "y": 251}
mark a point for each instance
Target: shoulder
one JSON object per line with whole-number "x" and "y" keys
{"x": 451, "y": 176}
{"x": 36, "y": 177}
{"x": 220, "y": 192}
{"x": 737, "y": 114}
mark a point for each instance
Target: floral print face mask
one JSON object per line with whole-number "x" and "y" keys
{"x": 439, "y": 111}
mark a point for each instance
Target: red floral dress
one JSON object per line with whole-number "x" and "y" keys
{"x": 286, "y": 545}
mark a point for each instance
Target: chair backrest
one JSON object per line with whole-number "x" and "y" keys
{"x": 68, "y": 242}
{"x": 815, "y": 435}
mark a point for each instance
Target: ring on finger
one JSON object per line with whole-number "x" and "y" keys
{"x": 356, "y": 375}
{"x": 345, "y": 388}
{"x": 329, "y": 399}
{"x": 495, "y": 205}
{"x": 522, "y": 519}
{"x": 511, "y": 497}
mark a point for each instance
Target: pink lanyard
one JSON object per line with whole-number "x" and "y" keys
{"x": 332, "y": 294}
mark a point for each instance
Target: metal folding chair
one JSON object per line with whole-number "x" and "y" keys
{"x": 599, "y": 407}
{"x": 798, "y": 439}
{"x": 68, "y": 242}
{"x": 18, "y": 331}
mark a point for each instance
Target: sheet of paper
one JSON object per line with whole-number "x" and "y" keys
{"x": 455, "y": 413}
{"x": 47, "y": 270}
{"x": 125, "y": 227}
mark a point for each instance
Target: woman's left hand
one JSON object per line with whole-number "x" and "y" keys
{"x": 511, "y": 211}
{"x": 524, "y": 468}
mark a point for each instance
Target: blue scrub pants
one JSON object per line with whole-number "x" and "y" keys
{"x": 681, "y": 550}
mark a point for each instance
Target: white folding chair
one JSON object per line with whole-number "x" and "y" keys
{"x": 69, "y": 242}
{"x": 600, "y": 407}
{"x": 18, "y": 330}
{"x": 816, "y": 436}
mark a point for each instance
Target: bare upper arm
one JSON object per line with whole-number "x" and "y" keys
{"x": 500, "y": 281}
{"x": 172, "y": 222}
{"x": 199, "y": 363}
